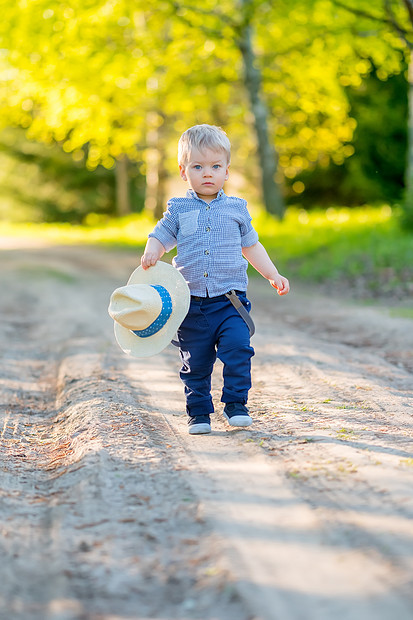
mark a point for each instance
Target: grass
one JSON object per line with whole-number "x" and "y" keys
{"x": 347, "y": 246}
{"x": 127, "y": 232}
{"x": 402, "y": 313}
{"x": 39, "y": 271}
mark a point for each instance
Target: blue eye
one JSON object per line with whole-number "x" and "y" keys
{"x": 216, "y": 166}
{"x": 197, "y": 167}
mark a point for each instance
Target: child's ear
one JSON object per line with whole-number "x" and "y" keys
{"x": 182, "y": 172}
{"x": 227, "y": 173}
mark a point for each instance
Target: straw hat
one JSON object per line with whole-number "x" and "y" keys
{"x": 149, "y": 309}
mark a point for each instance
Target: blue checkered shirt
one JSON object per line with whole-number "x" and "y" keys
{"x": 209, "y": 240}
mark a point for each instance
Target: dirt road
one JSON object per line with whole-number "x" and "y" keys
{"x": 110, "y": 511}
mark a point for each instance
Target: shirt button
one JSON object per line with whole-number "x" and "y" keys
{"x": 208, "y": 208}
{"x": 205, "y": 274}
{"x": 208, "y": 229}
{"x": 206, "y": 252}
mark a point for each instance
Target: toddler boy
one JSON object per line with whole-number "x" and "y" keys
{"x": 214, "y": 239}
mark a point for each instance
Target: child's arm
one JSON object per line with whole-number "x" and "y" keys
{"x": 153, "y": 252}
{"x": 163, "y": 237}
{"x": 257, "y": 256}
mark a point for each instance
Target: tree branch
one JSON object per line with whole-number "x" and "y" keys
{"x": 221, "y": 16}
{"x": 366, "y": 14}
{"x": 409, "y": 6}
{"x": 392, "y": 18}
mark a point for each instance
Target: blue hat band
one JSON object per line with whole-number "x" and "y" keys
{"x": 162, "y": 317}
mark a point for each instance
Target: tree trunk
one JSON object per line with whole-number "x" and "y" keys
{"x": 272, "y": 194}
{"x": 123, "y": 206}
{"x": 156, "y": 173}
{"x": 162, "y": 180}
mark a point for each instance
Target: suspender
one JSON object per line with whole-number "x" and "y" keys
{"x": 236, "y": 302}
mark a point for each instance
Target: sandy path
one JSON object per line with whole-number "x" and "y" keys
{"x": 109, "y": 510}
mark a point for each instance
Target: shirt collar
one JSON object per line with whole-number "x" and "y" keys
{"x": 192, "y": 194}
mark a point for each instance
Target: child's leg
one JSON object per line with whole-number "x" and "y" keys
{"x": 235, "y": 352}
{"x": 197, "y": 350}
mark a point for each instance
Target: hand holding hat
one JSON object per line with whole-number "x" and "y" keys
{"x": 149, "y": 309}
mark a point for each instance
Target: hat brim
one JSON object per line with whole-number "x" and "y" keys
{"x": 169, "y": 277}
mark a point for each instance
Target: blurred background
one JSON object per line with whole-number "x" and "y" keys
{"x": 316, "y": 97}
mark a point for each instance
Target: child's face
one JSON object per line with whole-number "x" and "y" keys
{"x": 206, "y": 172}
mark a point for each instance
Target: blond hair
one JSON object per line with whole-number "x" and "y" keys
{"x": 203, "y": 137}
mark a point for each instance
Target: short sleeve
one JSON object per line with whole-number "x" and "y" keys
{"x": 167, "y": 228}
{"x": 249, "y": 235}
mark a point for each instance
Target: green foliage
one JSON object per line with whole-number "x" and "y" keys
{"x": 90, "y": 74}
{"x": 75, "y": 73}
{"x": 101, "y": 78}
{"x": 406, "y": 216}
{"x": 42, "y": 183}
{"x": 362, "y": 248}
{"x": 127, "y": 232}
{"x": 375, "y": 172}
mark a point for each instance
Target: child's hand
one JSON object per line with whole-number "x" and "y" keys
{"x": 281, "y": 284}
{"x": 153, "y": 252}
{"x": 149, "y": 259}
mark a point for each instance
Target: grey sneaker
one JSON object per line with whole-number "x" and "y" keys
{"x": 237, "y": 414}
{"x": 199, "y": 424}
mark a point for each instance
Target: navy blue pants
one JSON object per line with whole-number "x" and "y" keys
{"x": 213, "y": 328}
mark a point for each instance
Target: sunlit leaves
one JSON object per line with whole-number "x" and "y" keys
{"x": 306, "y": 73}
{"x": 87, "y": 74}
{"x": 86, "y": 78}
